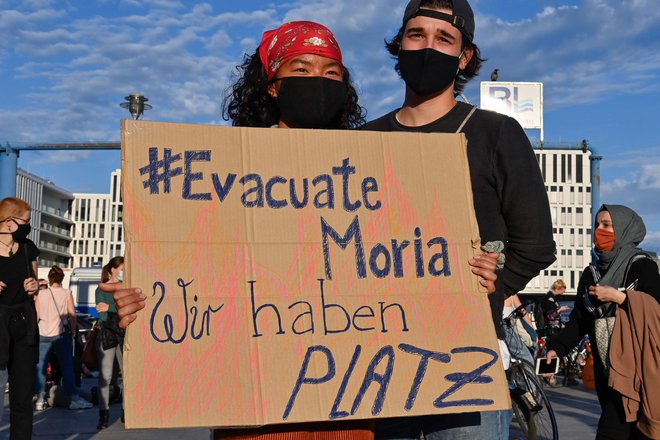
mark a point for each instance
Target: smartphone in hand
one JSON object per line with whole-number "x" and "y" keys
{"x": 542, "y": 367}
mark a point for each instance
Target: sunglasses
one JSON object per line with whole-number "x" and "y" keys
{"x": 43, "y": 286}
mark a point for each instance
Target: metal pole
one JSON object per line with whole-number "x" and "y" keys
{"x": 595, "y": 193}
{"x": 8, "y": 165}
{"x": 9, "y": 159}
{"x": 595, "y": 184}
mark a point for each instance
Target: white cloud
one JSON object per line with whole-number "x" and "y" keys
{"x": 652, "y": 242}
{"x": 582, "y": 53}
{"x": 650, "y": 177}
{"x": 181, "y": 55}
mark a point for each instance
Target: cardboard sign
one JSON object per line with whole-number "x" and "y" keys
{"x": 302, "y": 275}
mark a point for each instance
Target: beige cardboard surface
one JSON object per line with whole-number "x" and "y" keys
{"x": 299, "y": 275}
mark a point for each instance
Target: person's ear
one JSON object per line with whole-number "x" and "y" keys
{"x": 9, "y": 222}
{"x": 272, "y": 90}
{"x": 466, "y": 58}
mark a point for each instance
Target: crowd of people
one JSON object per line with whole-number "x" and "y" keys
{"x": 296, "y": 78}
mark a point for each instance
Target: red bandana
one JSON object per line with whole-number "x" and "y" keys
{"x": 293, "y": 39}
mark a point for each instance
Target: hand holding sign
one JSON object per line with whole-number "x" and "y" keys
{"x": 129, "y": 301}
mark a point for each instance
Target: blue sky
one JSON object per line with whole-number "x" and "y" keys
{"x": 66, "y": 65}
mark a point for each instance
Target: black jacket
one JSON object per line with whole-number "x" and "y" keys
{"x": 510, "y": 199}
{"x": 581, "y": 321}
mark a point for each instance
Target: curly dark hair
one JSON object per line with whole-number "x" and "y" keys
{"x": 248, "y": 104}
{"x": 464, "y": 75}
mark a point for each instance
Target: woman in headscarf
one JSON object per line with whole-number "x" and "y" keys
{"x": 622, "y": 268}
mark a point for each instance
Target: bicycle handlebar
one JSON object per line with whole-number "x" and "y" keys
{"x": 516, "y": 314}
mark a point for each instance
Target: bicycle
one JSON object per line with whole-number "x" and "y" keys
{"x": 574, "y": 361}
{"x": 530, "y": 405}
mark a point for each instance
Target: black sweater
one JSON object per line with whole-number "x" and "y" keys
{"x": 510, "y": 200}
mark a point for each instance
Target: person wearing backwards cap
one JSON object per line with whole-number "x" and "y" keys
{"x": 436, "y": 56}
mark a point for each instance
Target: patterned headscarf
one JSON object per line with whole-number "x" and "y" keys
{"x": 293, "y": 39}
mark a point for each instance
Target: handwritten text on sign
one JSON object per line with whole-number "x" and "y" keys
{"x": 318, "y": 279}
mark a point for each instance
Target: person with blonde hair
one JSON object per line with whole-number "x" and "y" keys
{"x": 551, "y": 310}
{"x": 19, "y": 334}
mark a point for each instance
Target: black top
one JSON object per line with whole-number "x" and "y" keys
{"x": 510, "y": 199}
{"x": 550, "y": 311}
{"x": 14, "y": 300}
{"x": 14, "y": 270}
{"x": 581, "y": 321}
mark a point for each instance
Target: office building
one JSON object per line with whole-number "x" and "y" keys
{"x": 98, "y": 234}
{"x": 52, "y": 225}
{"x": 567, "y": 173}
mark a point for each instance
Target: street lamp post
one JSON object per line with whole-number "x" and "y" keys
{"x": 135, "y": 103}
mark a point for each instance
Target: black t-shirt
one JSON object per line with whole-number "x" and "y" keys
{"x": 14, "y": 270}
{"x": 510, "y": 200}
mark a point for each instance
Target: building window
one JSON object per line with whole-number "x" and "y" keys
{"x": 114, "y": 188}
{"x": 554, "y": 167}
{"x": 578, "y": 168}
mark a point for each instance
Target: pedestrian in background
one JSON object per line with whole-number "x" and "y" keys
{"x": 111, "y": 340}
{"x": 436, "y": 57}
{"x": 623, "y": 277}
{"x": 549, "y": 322}
{"x": 516, "y": 333}
{"x": 550, "y": 310}
{"x": 19, "y": 334}
{"x": 56, "y": 315}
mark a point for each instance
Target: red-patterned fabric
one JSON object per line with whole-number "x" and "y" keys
{"x": 342, "y": 430}
{"x": 293, "y": 39}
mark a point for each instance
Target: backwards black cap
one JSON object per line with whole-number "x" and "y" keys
{"x": 462, "y": 18}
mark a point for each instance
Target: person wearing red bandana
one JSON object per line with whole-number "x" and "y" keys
{"x": 622, "y": 286}
{"x": 295, "y": 79}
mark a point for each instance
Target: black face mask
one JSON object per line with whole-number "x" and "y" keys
{"x": 311, "y": 102}
{"x": 22, "y": 232}
{"x": 427, "y": 71}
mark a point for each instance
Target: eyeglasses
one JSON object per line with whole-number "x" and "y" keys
{"x": 25, "y": 221}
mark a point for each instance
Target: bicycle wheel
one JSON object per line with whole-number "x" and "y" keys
{"x": 520, "y": 412}
{"x": 531, "y": 406}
